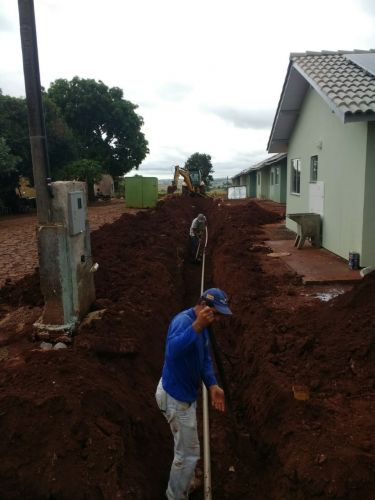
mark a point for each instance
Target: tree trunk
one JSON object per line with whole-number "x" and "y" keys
{"x": 90, "y": 191}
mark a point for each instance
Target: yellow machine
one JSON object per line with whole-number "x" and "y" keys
{"x": 192, "y": 184}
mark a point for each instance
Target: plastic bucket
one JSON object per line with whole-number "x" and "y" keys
{"x": 353, "y": 260}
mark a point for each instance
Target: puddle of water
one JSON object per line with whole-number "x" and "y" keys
{"x": 329, "y": 294}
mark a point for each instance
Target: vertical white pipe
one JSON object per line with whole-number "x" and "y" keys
{"x": 206, "y": 423}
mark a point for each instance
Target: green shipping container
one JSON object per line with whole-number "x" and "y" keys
{"x": 141, "y": 192}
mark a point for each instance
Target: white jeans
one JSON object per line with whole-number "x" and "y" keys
{"x": 182, "y": 417}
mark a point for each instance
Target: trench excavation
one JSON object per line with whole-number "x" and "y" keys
{"x": 83, "y": 423}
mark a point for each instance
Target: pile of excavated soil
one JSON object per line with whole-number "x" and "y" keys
{"x": 82, "y": 422}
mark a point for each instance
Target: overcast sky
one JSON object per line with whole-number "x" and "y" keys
{"x": 206, "y": 74}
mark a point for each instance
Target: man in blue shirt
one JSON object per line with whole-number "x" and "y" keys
{"x": 187, "y": 363}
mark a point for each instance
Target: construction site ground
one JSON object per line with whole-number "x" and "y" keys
{"x": 299, "y": 371}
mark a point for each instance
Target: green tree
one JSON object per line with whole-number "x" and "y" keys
{"x": 14, "y": 129}
{"x": 8, "y": 162}
{"x": 202, "y": 162}
{"x": 106, "y": 126}
{"x": 9, "y": 174}
{"x": 89, "y": 171}
{"x": 62, "y": 147}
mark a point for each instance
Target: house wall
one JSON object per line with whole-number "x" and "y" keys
{"x": 278, "y": 191}
{"x": 263, "y": 189}
{"x": 283, "y": 182}
{"x": 105, "y": 185}
{"x": 341, "y": 150}
{"x": 252, "y": 184}
{"x": 244, "y": 182}
{"x": 367, "y": 257}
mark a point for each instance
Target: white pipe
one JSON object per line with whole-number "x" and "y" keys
{"x": 206, "y": 423}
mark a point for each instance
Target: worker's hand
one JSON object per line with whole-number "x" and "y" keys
{"x": 205, "y": 317}
{"x": 217, "y": 397}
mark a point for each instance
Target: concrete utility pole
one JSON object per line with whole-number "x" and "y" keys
{"x": 63, "y": 233}
{"x": 37, "y": 131}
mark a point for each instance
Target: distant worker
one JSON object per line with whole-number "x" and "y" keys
{"x": 196, "y": 233}
{"x": 187, "y": 363}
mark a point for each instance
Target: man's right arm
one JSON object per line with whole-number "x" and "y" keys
{"x": 183, "y": 332}
{"x": 181, "y": 335}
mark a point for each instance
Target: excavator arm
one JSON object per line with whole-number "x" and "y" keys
{"x": 185, "y": 175}
{"x": 187, "y": 179}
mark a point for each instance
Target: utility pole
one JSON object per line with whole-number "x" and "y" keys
{"x": 65, "y": 262}
{"x": 38, "y": 140}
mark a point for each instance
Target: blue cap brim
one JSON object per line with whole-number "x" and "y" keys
{"x": 222, "y": 309}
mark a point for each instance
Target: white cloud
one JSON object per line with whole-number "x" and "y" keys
{"x": 207, "y": 74}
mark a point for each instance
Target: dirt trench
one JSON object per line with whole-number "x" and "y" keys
{"x": 80, "y": 423}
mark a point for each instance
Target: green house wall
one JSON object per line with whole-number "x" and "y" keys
{"x": 346, "y": 166}
{"x": 277, "y": 192}
{"x": 368, "y": 239}
{"x": 252, "y": 176}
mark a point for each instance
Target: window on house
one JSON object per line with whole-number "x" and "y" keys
{"x": 272, "y": 177}
{"x": 277, "y": 175}
{"x": 314, "y": 169}
{"x": 295, "y": 177}
{"x": 258, "y": 178}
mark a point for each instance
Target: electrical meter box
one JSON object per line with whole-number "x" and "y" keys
{"x": 77, "y": 212}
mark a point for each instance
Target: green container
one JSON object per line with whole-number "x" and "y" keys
{"x": 141, "y": 192}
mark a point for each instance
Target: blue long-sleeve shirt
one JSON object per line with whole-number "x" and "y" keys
{"x": 187, "y": 358}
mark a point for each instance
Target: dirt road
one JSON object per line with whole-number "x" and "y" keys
{"x": 18, "y": 250}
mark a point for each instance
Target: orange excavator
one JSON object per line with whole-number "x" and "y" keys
{"x": 192, "y": 182}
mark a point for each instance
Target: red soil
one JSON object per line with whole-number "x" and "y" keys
{"x": 79, "y": 424}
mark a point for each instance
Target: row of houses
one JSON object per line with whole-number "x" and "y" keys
{"x": 323, "y": 140}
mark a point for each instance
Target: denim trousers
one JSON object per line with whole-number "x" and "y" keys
{"x": 182, "y": 418}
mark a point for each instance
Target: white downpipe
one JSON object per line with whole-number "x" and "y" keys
{"x": 206, "y": 423}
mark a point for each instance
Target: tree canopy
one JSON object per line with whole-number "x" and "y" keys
{"x": 14, "y": 129}
{"x": 202, "y": 162}
{"x": 91, "y": 129}
{"x": 105, "y": 125}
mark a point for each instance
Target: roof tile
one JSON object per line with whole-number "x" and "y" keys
{"x": 349, "y": 86}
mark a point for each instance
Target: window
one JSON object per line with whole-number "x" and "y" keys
{"x": 272, "y": 177}
{"x": 313, "y": 169}
{"x": 258, "y": 178}
{"x": 295, "y": 177}
{"x": 277, "y": 175}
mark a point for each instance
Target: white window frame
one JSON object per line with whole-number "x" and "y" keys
{"x": 295, "y": 176}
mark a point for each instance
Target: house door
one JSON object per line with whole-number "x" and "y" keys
{"x": 316, "y": 197}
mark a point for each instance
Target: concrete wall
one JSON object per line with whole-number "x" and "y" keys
{"x": 367, "y": 257}
{"x": 341, "y": 150}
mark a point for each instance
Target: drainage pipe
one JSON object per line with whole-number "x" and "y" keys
{"x": 206, "y": 423}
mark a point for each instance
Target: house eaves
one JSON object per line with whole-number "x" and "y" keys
{"x": 277, "y": 158}
{"x": 345, "y": 81}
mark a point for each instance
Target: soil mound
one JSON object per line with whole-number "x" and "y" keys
{"x": 82, "y": 422}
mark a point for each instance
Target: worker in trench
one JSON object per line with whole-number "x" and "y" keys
{"x": 197, "y": 229}
{"x": 187, "y": 363}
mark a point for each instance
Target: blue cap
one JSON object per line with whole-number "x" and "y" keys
{"x": 214, "y": 297}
